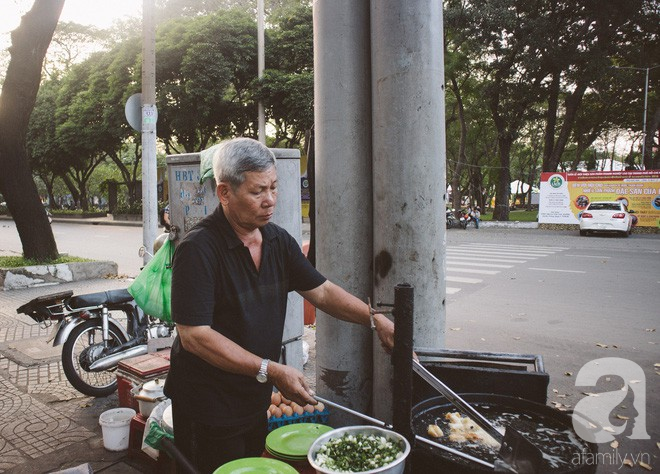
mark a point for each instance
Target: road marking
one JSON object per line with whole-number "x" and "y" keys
{"x": 486, "y": 253}
{"x": 505, "y": 253}
{"x": 472, "y": 270}
{"x": 508, "y": 251}
{"x": 483, "y": 259}
{"x": 557, "y": 270}
{"x": 586, "y": 256}
{"x": 524, "y": 247}
{"x": 473, "y": 264}
{"x": 452, "y": 291}
{"x": 457, "y": 279}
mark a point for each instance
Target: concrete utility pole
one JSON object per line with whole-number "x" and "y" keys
{"x": 409, "y": 170}
{"x": 343, "y": 193}
{"x": 149, "y": 117}
{"x": 261, "y": 65}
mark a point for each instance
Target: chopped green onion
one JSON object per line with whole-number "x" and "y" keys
{"x": 358, "y": 453}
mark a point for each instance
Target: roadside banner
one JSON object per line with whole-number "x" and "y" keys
{"x": 565, "y": 195}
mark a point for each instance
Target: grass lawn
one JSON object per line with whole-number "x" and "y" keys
{"x": 517, "y": 215}
{"x": 16, "y": 262}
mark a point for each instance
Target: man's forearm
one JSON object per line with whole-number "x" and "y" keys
{"x": 218, "y": 350}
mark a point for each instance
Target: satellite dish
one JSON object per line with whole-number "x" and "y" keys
{"x": 133, "y": 111}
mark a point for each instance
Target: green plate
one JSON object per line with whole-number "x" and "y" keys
{"x": 255, "y": 466}
{"x": 294, "y": 440}
{"x": 284, "y": 457}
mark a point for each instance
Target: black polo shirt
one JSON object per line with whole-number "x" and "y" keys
{"x": 216, "y": 283}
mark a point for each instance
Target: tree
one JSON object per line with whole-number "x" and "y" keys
{"x": 70, "y": 44}
{"x": 287, "y": 88}
{"x": 42, "y": 144}
{"x": 29, "y": 45}
{"x": 204, "y": 71}
{"x": 585, "y": 39}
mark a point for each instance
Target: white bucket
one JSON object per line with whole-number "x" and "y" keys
{"x": 116, "y": 426}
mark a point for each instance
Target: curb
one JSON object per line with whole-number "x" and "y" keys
{"x": 90, "y": 221}
{"x": 47, "y": 275}
{"x": 509, "y": 224}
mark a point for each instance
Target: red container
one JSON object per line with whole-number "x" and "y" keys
{"x": 136, "y": 434}
{"x": 163, "y": 465}
{"x": 134, "y": 372}
{"x": 309, "y": 311}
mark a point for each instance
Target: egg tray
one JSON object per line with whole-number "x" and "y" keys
{"x": 316, "y": 417}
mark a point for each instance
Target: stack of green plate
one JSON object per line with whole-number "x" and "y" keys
{"x": 292, "y": 442}
{"x": 255, "y": 466}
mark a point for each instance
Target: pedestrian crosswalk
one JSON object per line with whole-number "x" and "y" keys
{"x": 470, "y": 263}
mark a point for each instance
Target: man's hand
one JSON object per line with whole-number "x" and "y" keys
{"x": 385, "y": 331}
{"x": 291, "y": 383}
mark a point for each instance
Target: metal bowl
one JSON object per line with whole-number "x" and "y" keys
{"x": 395, "y": 467}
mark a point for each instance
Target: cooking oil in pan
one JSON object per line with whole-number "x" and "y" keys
{"x": 558, "y": 442}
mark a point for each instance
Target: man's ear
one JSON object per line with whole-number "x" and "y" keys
{"x": 222, "y": 191}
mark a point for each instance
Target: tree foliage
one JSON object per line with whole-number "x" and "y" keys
{"x": 29, "y": 45}
{"x": 536, "y": 62}
{"x": 530, "y": 86}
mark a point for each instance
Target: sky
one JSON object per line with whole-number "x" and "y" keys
{"x": 100, "y": 13}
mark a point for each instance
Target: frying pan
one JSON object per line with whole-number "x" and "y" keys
{"x": 517, "y": 454}
{"x": 564, "y": 451}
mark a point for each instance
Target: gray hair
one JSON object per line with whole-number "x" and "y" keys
{"x": 235, "y": 157}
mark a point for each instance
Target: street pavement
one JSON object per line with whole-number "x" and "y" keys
{"x": 47, "y": 426}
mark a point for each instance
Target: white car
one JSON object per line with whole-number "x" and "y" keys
{"x": 606, "y": 216}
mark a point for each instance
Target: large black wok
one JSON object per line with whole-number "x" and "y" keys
{"x": 547, "y": 428}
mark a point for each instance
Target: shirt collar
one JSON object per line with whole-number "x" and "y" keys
{"x": 229, "y": 235}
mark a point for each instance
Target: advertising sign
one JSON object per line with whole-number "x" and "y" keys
{"x": 565, "y": 195}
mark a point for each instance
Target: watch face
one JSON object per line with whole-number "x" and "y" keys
{"x": 262, "y": 378}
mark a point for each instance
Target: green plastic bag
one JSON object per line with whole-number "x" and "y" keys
{"x": 152, "y": 289}
{"x": 155, "y": 435}
{"x": 206, "y": 163}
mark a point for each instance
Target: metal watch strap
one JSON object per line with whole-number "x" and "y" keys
{"x": 262, "y": 376}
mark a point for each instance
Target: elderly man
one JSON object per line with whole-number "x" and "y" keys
{"x": 231, "y": 276}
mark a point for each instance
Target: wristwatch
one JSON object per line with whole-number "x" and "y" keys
{"x": 262, "y": 376}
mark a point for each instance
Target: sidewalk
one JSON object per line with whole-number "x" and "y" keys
{"x": 45, "y": 424}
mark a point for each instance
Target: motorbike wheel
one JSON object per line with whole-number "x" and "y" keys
{"x": 79, "y": 346}
{"x": 471, "y": 224}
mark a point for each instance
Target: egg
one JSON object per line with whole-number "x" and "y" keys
{"x": 297, "y": 409}
{"x": 309, "y": 408}
{"x": 270, "y": 408}
{"x": 287, "y": 410}
{"x": 319, "y": 406}
{"x": 276, "y": 412}
{"x": 268, "y": 414}
{"x": 276, "y": 398}
{"x": 285, "y": 400}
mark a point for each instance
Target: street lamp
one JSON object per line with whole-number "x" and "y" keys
{"x": 646, "y": 96}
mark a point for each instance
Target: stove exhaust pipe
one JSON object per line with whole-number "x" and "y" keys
{"x": 403, "y": 311}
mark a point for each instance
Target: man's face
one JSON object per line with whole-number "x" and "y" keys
{"x": 252, "y": 204}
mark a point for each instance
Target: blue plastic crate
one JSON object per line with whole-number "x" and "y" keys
{"x": 321, "y": 417}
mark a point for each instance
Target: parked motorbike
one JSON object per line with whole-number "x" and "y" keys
{"x": 97, "y": 331}
{"x": 453, "y": 221}
{"x": 468, "y": 219}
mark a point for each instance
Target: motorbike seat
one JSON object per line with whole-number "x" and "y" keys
{"x": 109, "y": 297}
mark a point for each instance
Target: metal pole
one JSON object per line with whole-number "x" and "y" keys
{"x": 342, "y": 116}
{"x": 404, "y": 310}
{"x": 261, "y": 65}
{"x": 646, "y": 96}
{"x": 409, "y": 169}
{"x": 149, "y": 117}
